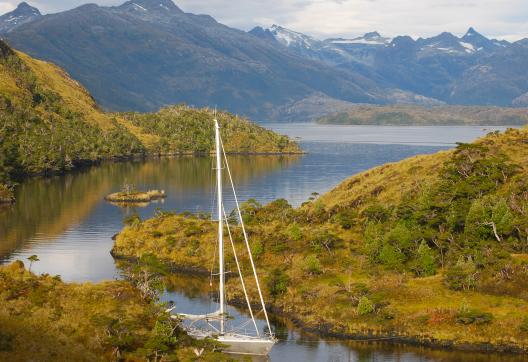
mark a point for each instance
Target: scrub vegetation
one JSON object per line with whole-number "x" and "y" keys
{"x": 432, "y": 249}
{"x": 45, "y": 319}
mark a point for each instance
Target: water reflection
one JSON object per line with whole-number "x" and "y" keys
{"x": 65, "y": 220}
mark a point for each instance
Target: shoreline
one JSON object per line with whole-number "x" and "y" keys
{"x": 326, "y": 330}
{"x": 81, "y": 165}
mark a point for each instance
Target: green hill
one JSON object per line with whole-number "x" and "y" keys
{"x": 50, "y": 124}
{"x": 409, "y": 115}
{"x": 430, "y": 250}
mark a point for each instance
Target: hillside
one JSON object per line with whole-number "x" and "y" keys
{"x": 50, "y": 124}
{"x": 46, "y": 319}
{"x": 407, "y": 115}
{"x": 429, "y": 250}
{"x": 181, "y": 129}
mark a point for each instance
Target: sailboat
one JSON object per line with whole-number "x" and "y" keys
{"x": 236, "y": 339}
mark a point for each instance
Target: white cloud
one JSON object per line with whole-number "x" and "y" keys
{"x": 505, "y": 19}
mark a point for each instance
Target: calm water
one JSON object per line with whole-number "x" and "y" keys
{"x": 65, "y": 221}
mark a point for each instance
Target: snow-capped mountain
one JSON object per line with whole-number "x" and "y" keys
{"x": 372, "y": 38}
{"x": 146, "y": 6}
{"x": 480, "y": 42}
{"x": 334, "y": 50}
{"x": 24, "y": 13}
{"x": 446, "y": 43}
{"x": 292, "y": 38}
{"x": 302, "y": 44}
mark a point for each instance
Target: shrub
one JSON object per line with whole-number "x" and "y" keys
{"x": 365, "y": 306}
{"x": 311, "y": 265}
{"x": 192, "y": 229}
{"x": 473, "y": 316}
{"x": 461, "y": 276}
{"x": 277, "y": 282}
{"x": 132, "y": 220}
{"x": 391, "y": 257}
{"x": 295, "y": 232}
{"x": 377, "y": 213}
{"x": 425, "y": 263}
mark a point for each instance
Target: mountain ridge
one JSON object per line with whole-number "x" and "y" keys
{"x": 143, "y": 55}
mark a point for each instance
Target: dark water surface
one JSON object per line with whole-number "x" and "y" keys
{"x": 65, "y": 221}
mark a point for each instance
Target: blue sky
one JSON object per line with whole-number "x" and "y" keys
{"x": 504, "y": 19}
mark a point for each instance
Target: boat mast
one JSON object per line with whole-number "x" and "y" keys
{"x": 220, "y": 223}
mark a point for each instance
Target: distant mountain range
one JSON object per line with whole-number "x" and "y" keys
{"x": 145, "y": 54}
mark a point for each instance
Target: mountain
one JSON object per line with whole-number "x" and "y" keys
{"x": 496, "y": 78}
{"x": 145, "y": 54}
{"x": 468, "y": 70}
{"x": 481, "y": 43}
{"x": 24, "y": 13}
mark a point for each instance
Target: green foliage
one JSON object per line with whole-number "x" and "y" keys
{"x": 346, "y": 218}
{"x": 376, "y": 213}
{"x": 295, "y": 232}
{"x": 182, "y": 129}
{"x": 277, "y": 282}
{"x": 425, "y": 261}
{"x": 365, "y": 306}
{"x": 132, "y": 220}
{"x": 312, "y": 265}
{"x": 473, "y": 316}
{"x": 462, "y": 275}
{"x": 249, "y": 209}
{"x": 323, "y": 240}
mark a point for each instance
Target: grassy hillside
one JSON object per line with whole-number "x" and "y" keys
{"x": 44, "y": 319}
{"x": 49, "y": 123}
{"x": 405, "y": 115}
{"x": 432, "y": 249}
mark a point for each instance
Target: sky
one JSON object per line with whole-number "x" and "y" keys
{"x": 502, "y": 19}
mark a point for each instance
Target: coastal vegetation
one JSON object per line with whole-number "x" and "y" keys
{"x": 45, "y": 319}
{"x": 130, "y": 194}
{"x": 51, "y": 124}
{"x": 430, "y": 250}
{"x": 411, "y": 115}
{"x": 185, "y": 130}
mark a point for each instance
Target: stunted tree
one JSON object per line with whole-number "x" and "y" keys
{"x": 32, "y": 259}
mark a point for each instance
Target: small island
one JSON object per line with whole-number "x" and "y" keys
{"x": 129, "y": 194}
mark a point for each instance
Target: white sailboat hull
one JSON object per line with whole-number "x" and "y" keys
{"x": 249, "y": 346}
{"x": 237, "y": 343}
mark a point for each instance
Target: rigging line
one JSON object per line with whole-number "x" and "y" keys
{"x": 246, "y": 239}
{"x": 240, "y": 272}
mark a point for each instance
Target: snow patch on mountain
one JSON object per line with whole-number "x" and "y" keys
{"x": 139, "y": 7}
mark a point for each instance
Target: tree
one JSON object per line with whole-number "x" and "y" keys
{"x": 32, "y": 259}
